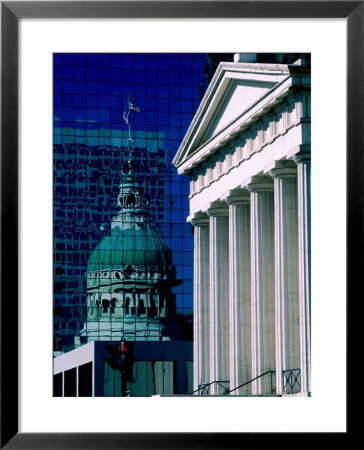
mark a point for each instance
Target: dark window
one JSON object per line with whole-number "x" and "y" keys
{"x": 112, "y": 305}
{"x": 141, "y": 307}
{"x": 85, "y": 380}
{"x": 105, "y": 305}
{"x": 70, "y": 383}
{"x": 127, "y": 303}
{"x": 57, "y": 384}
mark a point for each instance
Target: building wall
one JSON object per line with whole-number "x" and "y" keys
{"x": 249, "y": 175}
{"x": 157, "y": 368}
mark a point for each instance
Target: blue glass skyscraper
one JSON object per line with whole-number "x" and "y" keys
{"x": 109, "y": 109}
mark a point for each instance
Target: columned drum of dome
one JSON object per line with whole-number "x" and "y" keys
{"x": 130, "y": 276}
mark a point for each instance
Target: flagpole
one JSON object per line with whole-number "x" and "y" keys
{"x": 132, "y": 107}
{"x": 126, "y": 118}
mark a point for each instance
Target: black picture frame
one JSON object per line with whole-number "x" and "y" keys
{"x": 11, "y": 12}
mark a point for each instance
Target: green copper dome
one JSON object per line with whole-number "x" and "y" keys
{"x": 135, "y": 247}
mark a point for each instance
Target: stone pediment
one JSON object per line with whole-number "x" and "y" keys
{"x": 234, "y": 89}
{"x": 239, "y": 96}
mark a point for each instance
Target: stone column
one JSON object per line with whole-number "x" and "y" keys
{"x": 137, "y": 304}
{"x": 98, "y": 305}
{"x": 239, "y": 290}
{"x": 262, "y": 281}
{"x": 201, "y": 299}
{"x": 286, "y": 269}
{"x": 219, "y": 296}
{"x": 303, "y": 161}
{"x": 118, "y": 308}
{"x": 91, "y": 302}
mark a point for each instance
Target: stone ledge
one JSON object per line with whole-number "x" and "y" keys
{"x": 226, "y": 396}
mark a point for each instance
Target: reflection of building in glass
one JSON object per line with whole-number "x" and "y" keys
{"x": 131, "y": 308}
{"x": 138, "y": 348}
{"x": 91, "y": 91}
{"x": 118, "y": 281}
{"x": 130, "y": 276}
{"x": 85, "y": 177}
{"x": 247, "y": 153}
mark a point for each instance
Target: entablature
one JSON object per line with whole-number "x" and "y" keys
{"x": 199, "y": 142}
{"x": 293, "y": 112}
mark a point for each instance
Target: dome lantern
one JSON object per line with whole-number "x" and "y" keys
{"x": 132, "y": 201}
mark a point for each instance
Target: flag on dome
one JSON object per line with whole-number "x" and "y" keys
{"x": 132, "y": 105}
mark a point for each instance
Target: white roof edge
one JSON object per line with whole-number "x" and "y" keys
{"x": 272, "y": 69}
{"x": 218, "y": 73}
{"x": 256, "y": 67}
{"x": 246, "y": 115}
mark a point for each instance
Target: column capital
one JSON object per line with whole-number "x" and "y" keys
{"x": 258, "y": 183}
{"x": 236, "y": 196}
{"x": 198, "y": 219}
{"x": 282, "y": 169}
{"x": 217, "y": 209}
{"x": 301, "y": 158}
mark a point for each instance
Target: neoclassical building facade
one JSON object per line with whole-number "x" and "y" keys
{"x": 247, "y": 153}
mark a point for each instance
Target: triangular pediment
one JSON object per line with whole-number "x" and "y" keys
{"x": 234, "y": 89}
{"x": 238, "y": 97}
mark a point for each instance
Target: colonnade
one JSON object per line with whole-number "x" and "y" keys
{"x": 252, "y": 283}
{"x": 117, "y": 305}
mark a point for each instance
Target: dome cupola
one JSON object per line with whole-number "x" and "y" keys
{"x": 133, "y": 203}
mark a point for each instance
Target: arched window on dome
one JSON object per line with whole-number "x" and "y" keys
{"x": 112, "y": 305}
{"x": 152, "y": 310}
{"x": 105, "y": 305}
{"x": 141, "y": 309}
{"x": 130, "y": 200}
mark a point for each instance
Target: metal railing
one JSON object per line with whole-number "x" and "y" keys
{"x": 272, "y": 374}
{"x": 291, "y": 383}
{"x": 204, "y": 389}
{"x": 291, "y": 380}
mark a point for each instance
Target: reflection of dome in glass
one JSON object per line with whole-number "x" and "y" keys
{"x": 130, "y": 276}
{"x": 139, "y": 248}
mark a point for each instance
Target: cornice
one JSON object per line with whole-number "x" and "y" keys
{"x": 252, "y": 141}
{"x": 247, "y": 119}
{"x": 224, "y": 75}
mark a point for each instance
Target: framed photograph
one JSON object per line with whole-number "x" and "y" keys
{"x": 99, "y": 110}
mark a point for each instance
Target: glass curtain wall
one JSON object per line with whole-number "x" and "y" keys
{"x": 110, "y": 109}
